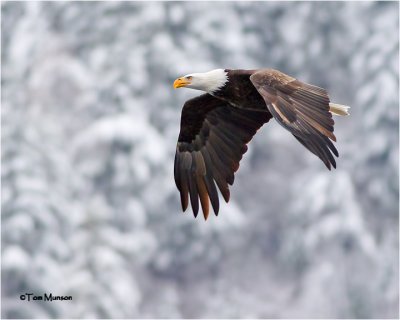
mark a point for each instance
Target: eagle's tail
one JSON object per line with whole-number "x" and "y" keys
{"x": 339, "y": 109}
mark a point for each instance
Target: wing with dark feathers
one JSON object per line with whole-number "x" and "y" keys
{"x": 302, "y": 109}
{"x": 211, "y": 143}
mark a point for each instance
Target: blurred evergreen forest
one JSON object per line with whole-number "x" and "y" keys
{"x": 89, "y": 127}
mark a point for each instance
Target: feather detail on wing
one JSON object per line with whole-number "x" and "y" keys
{"x": 211, "y": 143}
{"x": 301, "y": 108}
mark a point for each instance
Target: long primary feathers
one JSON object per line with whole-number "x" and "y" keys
{"x": 210, "y": 146}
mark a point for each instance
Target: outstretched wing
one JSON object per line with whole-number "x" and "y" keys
{"x": 301, "y": 108}
{"x": 211, "y": 143}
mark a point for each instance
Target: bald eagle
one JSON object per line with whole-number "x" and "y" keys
{"x": 216, "y": 126}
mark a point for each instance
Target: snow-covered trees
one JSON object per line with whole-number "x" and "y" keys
{"x": 89, "y": 126}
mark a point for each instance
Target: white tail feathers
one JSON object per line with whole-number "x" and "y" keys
{"x": 339, "y": 109}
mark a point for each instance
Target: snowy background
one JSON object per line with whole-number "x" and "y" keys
{"x": 89, "y": 126}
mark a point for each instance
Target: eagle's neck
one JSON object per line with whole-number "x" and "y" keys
{"x": 239, "y": 91}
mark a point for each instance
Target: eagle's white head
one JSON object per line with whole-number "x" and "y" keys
{"x": 209, "y": 81}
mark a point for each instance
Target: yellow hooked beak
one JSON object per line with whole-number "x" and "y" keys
{"x": 181, "y": 82}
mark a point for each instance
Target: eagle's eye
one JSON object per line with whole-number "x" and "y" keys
{"x": 189, "y": 77}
